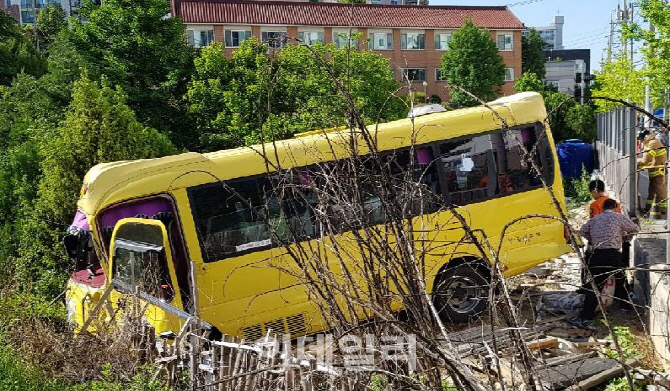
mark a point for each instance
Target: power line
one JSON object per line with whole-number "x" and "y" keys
{"x": 523, "y": 3}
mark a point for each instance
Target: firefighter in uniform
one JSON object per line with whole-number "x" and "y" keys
{"x": 654, "y": 157}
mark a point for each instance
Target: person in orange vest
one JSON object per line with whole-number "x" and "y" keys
{"x": 597, "y": 190}
{"x": 654, "y": 158}
{"x": 605, "y": 233}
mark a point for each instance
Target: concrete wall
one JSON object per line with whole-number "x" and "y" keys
{"x": 652, "y": 286}
{"x": 564, "y": 72}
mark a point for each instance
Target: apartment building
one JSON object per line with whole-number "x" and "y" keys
{"x": 25, "y": 11}
{"x": 552, "y": 35}
{"x": 413, "y": 38}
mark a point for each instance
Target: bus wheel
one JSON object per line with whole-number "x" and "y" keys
{"x": 461, "y": 293}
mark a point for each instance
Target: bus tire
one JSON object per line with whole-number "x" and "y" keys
{"x": 461, "y": 293}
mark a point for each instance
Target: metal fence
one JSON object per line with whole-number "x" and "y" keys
{"x": 616, "y": 148}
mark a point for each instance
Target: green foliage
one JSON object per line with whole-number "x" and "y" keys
{"x": 253, "y": 96}
{"x": 532, "y": 54}
{"x": 136, "y": 48}
{"x": 578, "y": 189}
{"x": 529, "y": 82}
{"x": 98, "y": 127}
{"x": 143, "y": 381}
{"x": 51, "y": 20}
{"x": 17, "y": 52}
{"x": 17, "y": 377}
{"x": 655, "y": 48}
{"x": 558, "y": 104}
{"x": 581, "y": 119}
{"x": 621, "y": 384}
{"x": 418, "y": 98}
{"x": 619, "y": 80}
{"x": 626, "y": 342}
{"x": 473, "y": 63}
{"x": 28, "y": 115}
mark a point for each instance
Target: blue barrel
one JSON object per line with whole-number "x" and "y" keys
{"x": 574, "y": 154}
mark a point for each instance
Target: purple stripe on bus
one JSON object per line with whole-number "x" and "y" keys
{"x": 148, "y": 208}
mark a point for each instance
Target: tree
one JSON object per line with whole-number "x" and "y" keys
{"x": 473, "y": 63}
{"x": 225, "y": 96}
{"x": 529, "y": 82}
{"x": 51, "y": 20}
{"x": 558, "y": 104}
{"x": 620, "y": 80}
{"x": 581, "y": 119}
{"x": 305, "y": 82}
{"x": 98, "y": 127}
{"x": 655, "y": 50}
{"x": 17, "y": 52}
{"x": 254, "y": 97}
{"x": 136, "y": 47}
{"x": 28, "y": 114}
{"x": 532, "y": 54}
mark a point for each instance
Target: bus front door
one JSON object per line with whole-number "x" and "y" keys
{"x": 143, "y": 273}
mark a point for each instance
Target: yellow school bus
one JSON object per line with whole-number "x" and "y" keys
{"x": 171, "y": 230}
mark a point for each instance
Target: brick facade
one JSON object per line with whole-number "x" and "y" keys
{"x": 221, "y": 16}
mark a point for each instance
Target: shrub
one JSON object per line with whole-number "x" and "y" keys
{"x": 578, "y": 189}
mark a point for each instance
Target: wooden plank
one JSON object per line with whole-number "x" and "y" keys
{"x": 544, "y": 343}
{"x": 602, "y": 377}
{"x": 567, "y": 359}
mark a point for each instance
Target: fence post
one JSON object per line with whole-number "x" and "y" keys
{"x": 667, "y": 216}
{"x": 632, "y": 164}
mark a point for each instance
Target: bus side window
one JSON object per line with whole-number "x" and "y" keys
{"x": 249, "y": 215}
{"x": 519, "y": 172}
{"x": 229, "y": 218}
{"x": 470, "y": 169}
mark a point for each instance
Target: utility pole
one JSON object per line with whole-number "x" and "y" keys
{"x": 630, "y": 19}
{"x": 609, "y": 40}
{"x": 647, "y": 87}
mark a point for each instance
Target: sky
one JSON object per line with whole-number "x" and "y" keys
{"x": 587, "y": 22}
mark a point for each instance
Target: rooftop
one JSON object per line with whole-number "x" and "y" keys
{"x": 347, "y": 15}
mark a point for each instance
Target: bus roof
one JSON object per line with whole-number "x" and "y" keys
{"x": 108, "y": 183}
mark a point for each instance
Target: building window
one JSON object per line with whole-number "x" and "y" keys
{"x": 274, "y": 39}
{"x": 376, "y": 1}
{"x": 505, "y": 42}
{"x": 344, "y": 40}
{"x": 311, "y": 37}
{"x": 200, "y": 38}
{"x": 439, "y": 76}
{"x": 396, "y": 2}
{"x": 412, "y": 41}
{"x": 509, "y": 74}
{"x": 381, "y": 41}
{"x": 234, "y": 38}
{"x": 27, "y": 16}
{"x": 442, "y": 41}
{"x": 414, "y": 74}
